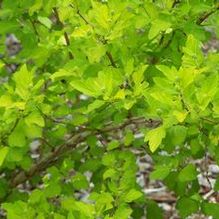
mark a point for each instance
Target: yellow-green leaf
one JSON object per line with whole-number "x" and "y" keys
{"x": 5, "y": 101}
{"x": 23, "y": 79}
{"x": 95, "y": 53}
{"x": 3, "y": 154}
{"x": 35, "y": 118}
{"x": 180, "y": 116}
{"x": 154, "y": 137}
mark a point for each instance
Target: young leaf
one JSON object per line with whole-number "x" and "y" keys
{"x": 160, "y": 173}
{"x": 35, "y": 118}
{"x": 23, "y": 80}
{"x": 192, "y": 52}
{"x": 211, "y": 209}
{"x": 188, "y": 173}
{"x": 112, "y": 145}
{"x": 123, "y": 212}
{"x": 3, "y": 154}
{"x": 17, "y": 138}
{"x": 153, "y": 211}
{"x": 187, "y": 206}
{"x": 156, "y": 28}
{"x": 132, "y": 195}
{"x": 129, "y": 138}
{"x": 45, "y": 21}
{"x": 79, "y": 181}
{"x": 94, "y": 54}
{"x": 154, "y": 137}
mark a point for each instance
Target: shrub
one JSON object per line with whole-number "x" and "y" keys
{"x": 89, "y": 86}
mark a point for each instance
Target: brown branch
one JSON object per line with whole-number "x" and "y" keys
{"x": 71, "y": 144}
{"x": 67, "y": 40}
{"x": 205, "y": 16}
{"x": 206, "y": 173}
{"x": 163, "y": 198}
{"x": 44, "y": 141}
{"x": 185, "y": 106}
{"x": 82, "y": 17}
{"x": 209, "y": 120}
{"x": 175, "y": 3}
{"x": 68, "y": 44}
{"x": 45, "y": 162}
{"x": 113, "y": 63}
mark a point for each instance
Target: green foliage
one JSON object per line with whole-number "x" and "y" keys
{"x": 187, "y": 206}
{"x": 94, "y": 84}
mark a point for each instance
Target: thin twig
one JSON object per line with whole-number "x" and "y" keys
{"x": 109, "y": 55}
{"x": 67, "y": 40}
{"x": 57, "y": 17}
{"x": 202, "y": 130}
{"x": 77, "y": 139}
{"x": 35, "y": 29}
{"x": 163, "y": 198}
{"x": 80, "y": 15}
{"x": 205, "y": 16}
{"x": 175, "y": 3}
{"x": 68, "y": 44}
{"x": 208, "y": 194}
{"x": 206, "y": 168}
{"x": 43, "y": 140}
{"x": 209, "y": 120}
{"x": 183, "y": 102}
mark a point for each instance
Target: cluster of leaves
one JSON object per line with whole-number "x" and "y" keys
{"x": 97, "y": 80}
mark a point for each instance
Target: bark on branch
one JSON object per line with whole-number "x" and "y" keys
{"x": 205, "y": 16}
{"x": 72, "y": 143}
